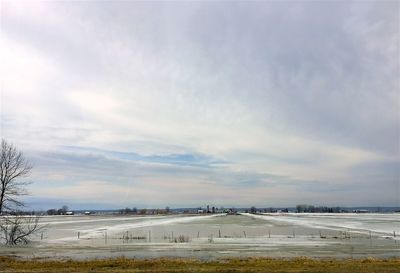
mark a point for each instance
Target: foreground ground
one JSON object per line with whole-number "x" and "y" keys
{"x": 368, "y": 265}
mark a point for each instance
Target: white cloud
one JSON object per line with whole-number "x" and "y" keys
{"x": 310, "y": 97}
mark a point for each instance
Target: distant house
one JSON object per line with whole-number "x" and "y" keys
{"x": 88, "y": 212}
{"x": 200, "y": 211}
{"x": 69, "y": 213}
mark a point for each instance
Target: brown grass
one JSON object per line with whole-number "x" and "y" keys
{"x": 367, "y": 265}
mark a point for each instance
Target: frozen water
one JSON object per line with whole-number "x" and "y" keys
{"x": 210, "y": 236}
{"x": 384, "y": 224}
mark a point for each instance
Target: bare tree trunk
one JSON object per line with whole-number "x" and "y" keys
{"x": 1, "y": 199}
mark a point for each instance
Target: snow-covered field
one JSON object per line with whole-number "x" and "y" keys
{"x": 66, "y": 229}
{"x": 384, "y": 224}
{"x": 210, "y": 236}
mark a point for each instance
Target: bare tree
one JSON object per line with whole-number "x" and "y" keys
{"x": 13, "y": 166}
{"x": 62, "y": 210}
{"x": 18, "y": 229}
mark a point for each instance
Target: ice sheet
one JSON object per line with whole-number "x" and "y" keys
{"x": 384, "y": 224}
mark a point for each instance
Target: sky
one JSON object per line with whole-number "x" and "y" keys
{"x": 184, "y": 104}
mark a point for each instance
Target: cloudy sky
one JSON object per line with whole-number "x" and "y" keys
{"x": 129, "y": 103}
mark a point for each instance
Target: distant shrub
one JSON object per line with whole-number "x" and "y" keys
{"x": 181, "y": 239}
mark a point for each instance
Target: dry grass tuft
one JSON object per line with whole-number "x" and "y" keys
{"x": 123, "y": 265}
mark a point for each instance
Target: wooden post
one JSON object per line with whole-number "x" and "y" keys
{"x": 198, "y": 234}
{"x": 219, "y": 233}
{"x": 370, "y": 238}
{"x": 244, "y": 233}
{"x": 78, "y": 234}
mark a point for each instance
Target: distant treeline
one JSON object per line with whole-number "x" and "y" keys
{"x": 302, "y": 208}
{"x": 61, "y": 211}
{"x": 318, "y": 209}
{"x": 144, "y": 211}
{"x": 167, "y": 210}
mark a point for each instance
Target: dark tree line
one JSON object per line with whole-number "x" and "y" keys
{"x": 61, "y": 211}
{"x": 144, "y": 211}
{"x": 317, "y": 209}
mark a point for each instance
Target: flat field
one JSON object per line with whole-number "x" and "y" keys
{"x": 212, "y": 237}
